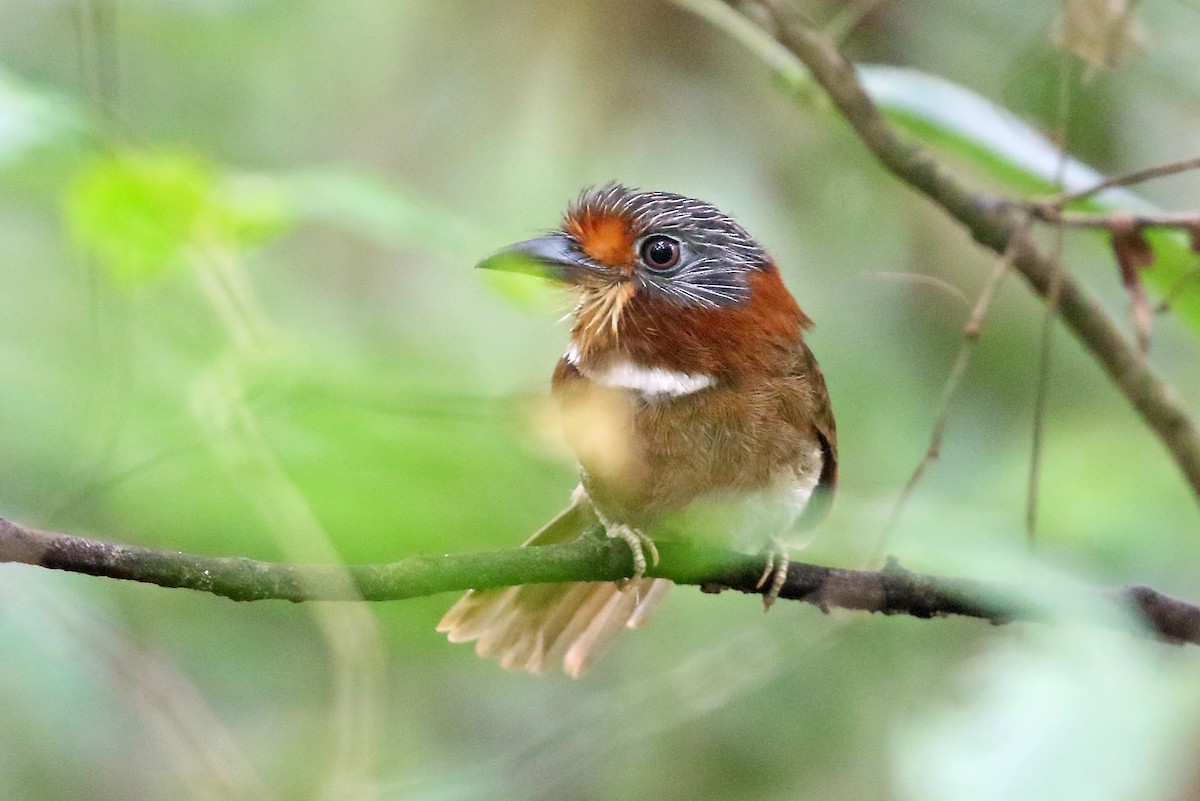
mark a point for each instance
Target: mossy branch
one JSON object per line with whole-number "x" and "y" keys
{"x": 892, "y": 591}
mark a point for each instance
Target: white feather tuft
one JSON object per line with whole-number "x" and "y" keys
{"x": 651, "y": 381}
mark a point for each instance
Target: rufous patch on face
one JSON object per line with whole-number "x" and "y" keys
{"x": 607, "y": 238}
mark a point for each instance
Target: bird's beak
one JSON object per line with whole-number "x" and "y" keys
{"x": 550, "y": 256}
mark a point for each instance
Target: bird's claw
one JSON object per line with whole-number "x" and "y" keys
{"x": 639, "y": 545}
{"x": 776, "y": 570}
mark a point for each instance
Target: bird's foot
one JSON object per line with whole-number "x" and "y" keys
{"x": 776, "y": 570}
{"x": 639, "y": 545}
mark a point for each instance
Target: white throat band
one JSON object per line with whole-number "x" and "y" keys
{"x": 651, "y": 382}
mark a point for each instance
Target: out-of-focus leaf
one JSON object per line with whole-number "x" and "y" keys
{"x": 947, "y": 116}
{"x": 30, "y": 119}
{"x": 380, "y": 211}
{"x": 390, "y": 216}
{"x": 1082, "y": 706}
{"x": 1052, "y": 714}
{"x": 138, "y": 212}
{"x": 526, "y": 291}
{"x": 951, "y": 119}
{"x": 955, "y": 120}
{"x": 1102, "y": 33}
{"x": 250, "y": 209}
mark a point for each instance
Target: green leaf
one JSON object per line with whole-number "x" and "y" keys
{"x": 250, "y": 209}
{"x": 948, "y": 118}
{"x": 136, "y": 212}
{"x": 380, "y": 211}
{"x": 139, "y": 212}
{"x": 394, "y": 217}
{"x": 526, "y": 291}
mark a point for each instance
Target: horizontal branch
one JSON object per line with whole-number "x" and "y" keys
{"x": 891, "y": 591}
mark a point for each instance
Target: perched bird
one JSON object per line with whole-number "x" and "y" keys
{"x": 690, "y": 399}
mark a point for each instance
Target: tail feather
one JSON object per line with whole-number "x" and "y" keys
{"x": 534, "y": 626}
{"x": 567, "y": 604}
{"x": 537, "y": 628}
{"x": 470, "y": 618}
{"x": 602, "y": 629}
{"x": 648, "y": 603}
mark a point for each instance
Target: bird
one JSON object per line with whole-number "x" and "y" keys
{"x": 691, "y": 401}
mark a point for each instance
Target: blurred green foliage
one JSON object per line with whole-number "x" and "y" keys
{"x": 239, "y": 317}
{"x": 137, "y": 213}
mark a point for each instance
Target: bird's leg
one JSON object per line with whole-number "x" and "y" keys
{"x": 776, "y": 570}
{"x": 640, "y": 545}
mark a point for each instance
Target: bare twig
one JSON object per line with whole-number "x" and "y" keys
{"x": 971, "y": 330}
{"x": 1128, "y": 179}
{"x": 992, "y": 221}
{"x": 931, "y": 281}
{"x": 891, "y": 591}
{"x": 1042, "y": 399}
{"x": 1049, "y": 317}
{"x": 1187, "y": 221}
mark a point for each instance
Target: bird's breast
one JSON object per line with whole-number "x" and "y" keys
{"x": 651, "y": 440}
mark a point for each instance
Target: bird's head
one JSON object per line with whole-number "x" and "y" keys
{"x": 664, "y": 279}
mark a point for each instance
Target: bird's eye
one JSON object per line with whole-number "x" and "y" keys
{"x": 660, "y": 252}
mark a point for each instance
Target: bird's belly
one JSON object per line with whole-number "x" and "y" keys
{"x": 733, "y": 457}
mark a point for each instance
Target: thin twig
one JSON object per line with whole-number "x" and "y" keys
{"x": 1128, "y": 179}
{"x": 891, "y": 591}
{"x": 1050, "y": 316}
{"x": 971, "y": 330}
{"x": 1187, "y": 221}
{"x": 1041, "y": 400}
{"x": 933, "y": 281}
